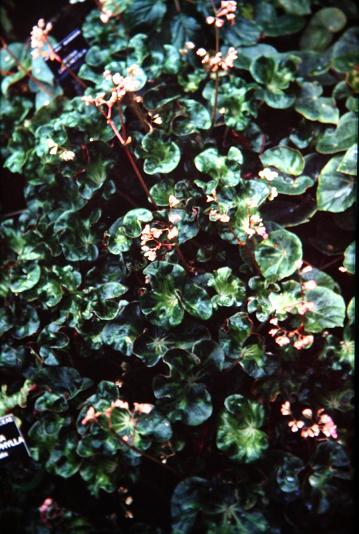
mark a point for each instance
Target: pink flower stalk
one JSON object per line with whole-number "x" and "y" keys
{"x": 216, "y": 62}
{"x": 227, "y": 11}
{"x": 327, "y": 425}
{"x": 121, "y": 86}
{"x": 39, "y": 38}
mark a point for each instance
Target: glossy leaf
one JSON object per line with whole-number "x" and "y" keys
{"x": 239, "y": 433}
{"x": 280, "y": 255}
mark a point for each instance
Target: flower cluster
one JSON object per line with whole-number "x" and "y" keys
{"x": 284, "y": 337}
{"x": 152, "y": 243}
{"x": 320, "y": 424}
{"x": 107, "y": 10}
{"x": 91, "y": 415}
{"x": 49, "y": 510}
{"x": 216, "y": 62}
{"x": 173, "y": 201}
{"x": 268, "y": 174}
{"x": 188, "y": 46}
{"x": 254, "y": 226}
{"x": 39, "y": 38}
{"x": 215, "y": 214}
{"x": 127, "y": 500}
{"x": 226, "y": 11}
{"x": 63, "y": 153}
{"x": 121, "y": 86}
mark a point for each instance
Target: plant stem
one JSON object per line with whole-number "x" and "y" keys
{"x": 12, "y": 214}
{"x": 178, "y": 6}
{"x": 65, "y": 67}
{"x": 131, "y": 160}
{"x": 183, "y": 260}
{"x": 138, "y": 112}
{"x": 145, "y": 454}
{"x": 127, "y": 198}
{"x": 331, "y": 262}
{"x": 216, "y": 82}
{"x": 215, "y": 103}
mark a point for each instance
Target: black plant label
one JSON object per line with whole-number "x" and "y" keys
{"x": 12, "y": 442}
{"x": 72, "y": 50}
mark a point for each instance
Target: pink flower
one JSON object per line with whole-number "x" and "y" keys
{"x": 327, "y": 425}
{"x": 172, "y": 233}
{"x": 295, "y": 425}
{"x": 310, "y": 284}
{"x": 304, "y": 307}
{"x": 285, "y": 408}
{"x": 307, "y": 269}
{"x": 310, "y": 432}
{"x": 143, "y": 407}
{"x": 282, "y": 340}
{"x": 39, "y": 38}
{"x": 91, "y": 416}
{"x": 118, "y": 403}
{"x": 303, "y": 342}
{"x": 307, "y": 412}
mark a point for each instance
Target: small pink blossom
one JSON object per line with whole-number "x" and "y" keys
{"x": 307, "y": 269}
{"x": 173, "y": 201}
{"x": 143, "y": 407}
{"x": 91, "y": 416}
{"x": 310, "y": 431}
{"x": 307, "y": 412}
{"x": 268, "y": 174}
{"x": 285, "y": 408}
{"x": 217, "y": 216}
{"x": 295, "y": 425}
{"x": 303, "y": 342}
{"x": 304, "y": 307}
{"x": 118, "y": 403}
{"x": 172, "y": 233}
{"x": 39, "y": 38}
{"x": 310, "y": 284}
{"x": 227, "y": 11}
{"x": 282, "y": 340}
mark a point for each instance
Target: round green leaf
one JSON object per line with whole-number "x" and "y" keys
{"x": 348, "y": 164}
{"x": 315, "y": 107}
{"x": 285, "y": 159}
{"x": 340, "y": 138}
{"x": 328, "y": 310}
{"x": 26, "y": 277}
{"x": 160, "y": 156}
{"x": 230, "y": 290}
{"x": 132, "y": 221}
{"x": 335, "y": 191}
{"x": 280, "y": 255}
{"x": 349, "y": 258}
{"x": 239, "y": 433}
{"x": 191, "y": 117}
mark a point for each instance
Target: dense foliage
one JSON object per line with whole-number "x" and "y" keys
{"x": 177, "y": 319}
